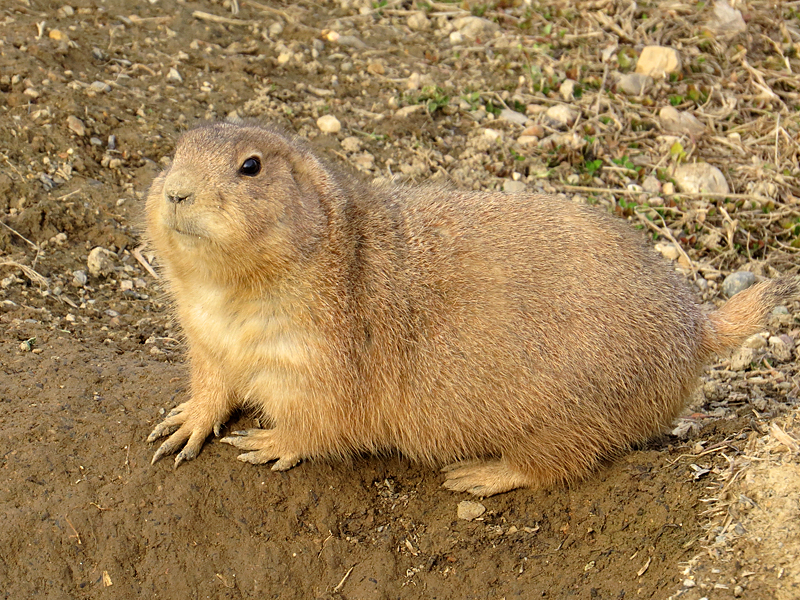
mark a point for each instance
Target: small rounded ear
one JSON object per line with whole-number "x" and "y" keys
{"x": 308, "y": 170}
{"x": 317, "y": 183}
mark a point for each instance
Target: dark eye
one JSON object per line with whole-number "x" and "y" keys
{"x": 250, "y": 167}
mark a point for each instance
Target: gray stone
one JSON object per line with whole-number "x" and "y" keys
{"x": 513, "y": 116}
{"x": 780, "y": 346}
{"x": 700, "y": 177}
{"x": 511, "y": 186}
{"x": 756, "y": 342}
{"x": 651, "y": 185}
{"x": 99, "y": 86}
{"x": 634, "y": 84}
{"x": 675, "y": 121}
{"x": 79, "y": 278}
{"x": 475, "y": 27}
{"x": 726, "y": 20}
{"x": 743, "y": 358}
{"x": 737, "y": 282}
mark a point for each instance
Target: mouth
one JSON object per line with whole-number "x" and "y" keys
{"x": 183, "y": 228}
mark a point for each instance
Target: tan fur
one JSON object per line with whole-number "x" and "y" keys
{"x": 528, "y": 336}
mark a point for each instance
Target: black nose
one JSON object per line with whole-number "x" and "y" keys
{"x": 180, "y": 197}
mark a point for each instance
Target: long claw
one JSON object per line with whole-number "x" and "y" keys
{"x": 162, "y": 451}
{"x": 259, "y": 457}
{"x": 161, "y": 430}
{"x": 286, "y": 462}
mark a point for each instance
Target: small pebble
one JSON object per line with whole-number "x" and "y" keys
{"x": 668, "y": 251}
{"x": 414, "y": 81}
{"x": 351, "y": 144}
{"x": 513, "y": 116}
{"x": 475, "y": 27}
{"x": 737, "y": 282}
{"x": 743, "y": 358}
{"x": 651, "y": 185}
{"x": 364, "y": 161}
{"x": 100, "y": 262}
{"x": 174, "y": 76}
{"x": 100, "y": 86}
{"x": 634, "y": 84}
{"x": 658, "y": 61}
{"x": 780, "y": 346}
{"x": 329, "y": 124}
{"x": 675, "y": 121}
{"x": 409, "y": 110}
{"x": 567, "y": 90}
{"x": 534, "y": 130}
{"x": 469, "y": 510}
{"x": 756, "y": 342}
{"x": 418, "y": 21}
{"x": 79, "y": 278}
{"x": 700, "y": 177}
{"x": 560, "y": 116}
{"x": 513, "y": 187}
{"x": 76, "y": 125}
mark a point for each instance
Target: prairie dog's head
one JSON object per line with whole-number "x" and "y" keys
{"x": 240, "y": 200}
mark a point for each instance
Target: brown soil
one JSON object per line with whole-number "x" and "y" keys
{"x": 89, "y": 368}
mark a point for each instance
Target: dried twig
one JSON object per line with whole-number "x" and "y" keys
{"x": 137, "y": 254}
{"x": 204, "y": 16}
{"x": 340, "y": 585}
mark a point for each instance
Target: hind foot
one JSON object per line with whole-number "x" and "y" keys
{"x": 484, "y": 477}
{"x": 266, "y": 445}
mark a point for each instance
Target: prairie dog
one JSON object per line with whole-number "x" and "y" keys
{"x": 518, "y": 339}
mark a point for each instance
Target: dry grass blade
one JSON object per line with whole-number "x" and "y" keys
{"x": 30, "y": 273}
{"x": 784, "y": 438}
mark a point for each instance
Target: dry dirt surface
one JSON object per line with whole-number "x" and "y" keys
{"x": 512, "y": 95}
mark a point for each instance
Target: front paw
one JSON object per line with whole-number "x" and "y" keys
{"x": 189, "y": 425}
{"x": 266, "y": 446}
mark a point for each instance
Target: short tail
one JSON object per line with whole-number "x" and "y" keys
{"x": 745, "y": 313}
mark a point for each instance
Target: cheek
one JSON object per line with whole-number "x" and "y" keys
{"x": 259, "y": 214}
{"x": 154, "y": 204}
